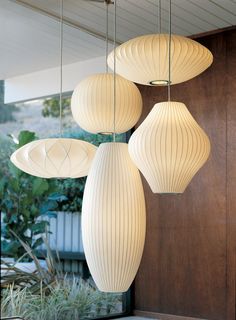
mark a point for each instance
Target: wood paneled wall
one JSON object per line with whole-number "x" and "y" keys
{"x": 188, "y": 265}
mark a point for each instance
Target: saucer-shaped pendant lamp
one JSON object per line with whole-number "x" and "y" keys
{"x": 144, "y": 59}
{"x": 93, "y": 99}
{"x": 113, "y": 218}
{"x": 169, "y": 147}
{"x": 55, "y": 158}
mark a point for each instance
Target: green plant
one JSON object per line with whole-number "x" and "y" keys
{"x": 6, "y": 149}
{"x": 23, "y": 198}
{"x": 6, "y": 110}
{"x": 37, "y": 281}
{"x": 51, "y": 107}
{"x": 46, "y": 294}
{"x": 13, "y": 302}
{"x": 67, "y": 299}
{"x": 73, "y": 190}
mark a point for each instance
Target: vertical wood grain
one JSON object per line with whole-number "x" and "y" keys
{"x": 188, "y": 265}
{"x": 231, "y": 176}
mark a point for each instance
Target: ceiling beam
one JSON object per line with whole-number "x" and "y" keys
{"x": 209, "y": 33}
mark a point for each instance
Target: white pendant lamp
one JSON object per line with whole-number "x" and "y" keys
{"x": 113, "y": 214}
{"x": 144, "y": 59}
{"x": 55, "y": 157}
{"x": 169, "y": 147}
{"x": 92, "y": 102}
{"x": 113, "y": 218}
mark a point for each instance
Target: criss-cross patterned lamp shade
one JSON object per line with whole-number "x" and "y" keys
{"x": 113, "y": 218}
{"x": 92, "y": 104}
{"x": 169, "y": 147}
{"x": 55, "y": 158}
{"x": 145, "y": 59}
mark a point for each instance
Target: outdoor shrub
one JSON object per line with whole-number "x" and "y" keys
{"x": 46, "y": 294}
{"x": 67, "y": 299}
{"x": 7, "y": 147}
{"x": 51, "y": 107}
{"x": 23, "y": 198}
{"x": 36, "y": 281}
{"x": 6, "y": 110}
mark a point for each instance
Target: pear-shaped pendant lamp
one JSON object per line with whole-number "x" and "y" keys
{"x": 55, "y": 157}
{"x": 169, "y": 147}
{"x": 113, "y": 213}
{"x": 92, "y": 101}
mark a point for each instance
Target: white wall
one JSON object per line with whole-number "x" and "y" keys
{"x": 47, "y": 82}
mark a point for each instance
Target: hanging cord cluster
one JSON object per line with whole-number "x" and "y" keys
{"x": 159, "y": 16}
{"x": 159, "y": 31}
{"x": 61, "y": 57}
{"x": 114, "y": 77}
{"x": 106, "y": 53}
{"x": 169, "y": 58}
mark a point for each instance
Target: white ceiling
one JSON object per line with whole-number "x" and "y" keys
{"x": 29, "y": 39}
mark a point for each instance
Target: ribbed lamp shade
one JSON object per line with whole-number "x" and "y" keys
{"x": 92, "y": 104}
{"x": 145, "y": 59}
{"x": 113, "y": 218}
{"x": 169, "y": 147}
{"x": 55, "y": 158}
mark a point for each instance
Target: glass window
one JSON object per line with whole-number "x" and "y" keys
{"x": 53, "y": 212}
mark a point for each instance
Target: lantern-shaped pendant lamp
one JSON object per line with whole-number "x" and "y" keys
{"x": 93, "y": 100}
{"x": 113, "y": 218}
{"x": 92, "y": 104}
{"x": 169, "y": 147}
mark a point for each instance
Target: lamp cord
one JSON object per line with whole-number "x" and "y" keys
{"x": 159, "y": 30}
{"x": 169, "y": 58}
{"x": 61, "y": 51}
{"x": 114, "y": 77}
{"x": 106, "y": 4}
